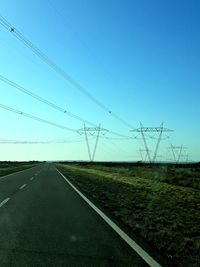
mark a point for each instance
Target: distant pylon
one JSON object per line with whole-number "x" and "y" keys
{"x": 92, "y": 131}
{"x": 187, "y": 158}
{"x": 177, "y": 152}
{"x": 159, "y": 130}
{"x": 143, "y": 154}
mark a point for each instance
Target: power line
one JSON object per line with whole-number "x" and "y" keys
{"x": 52, "y": 105}
{"x": 59, "y": 70}
{"x": 16, "y": 142}
{"x": 177, "y": 152}
{"x": 91, "y": 131}
{"x": 42, "y": 120}
{"x": 36, "y": 118}
{"x": 113, "y": 147}
{"x": 145, "y": 130}
{"x": 117, "y": 138}
{"x": 43, "y": 100}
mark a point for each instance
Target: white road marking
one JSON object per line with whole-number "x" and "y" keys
{"x": 21, "y": 187}
{"x": 140, "y": 251}
{"x": 4, "y": 201}
{"x": 31, "y": 178}
{"x": 2, "y": 177}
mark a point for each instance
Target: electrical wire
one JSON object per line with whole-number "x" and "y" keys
{"x": 16, "y": 142}
{"x": 59, "y": 70}
{"x": 52, "y": 105}
{"x": 36, "y": 118}
{"x": 43, "y": 100}
{"x": 115, "y": 138}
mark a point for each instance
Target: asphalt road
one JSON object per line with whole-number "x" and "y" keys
{"x": 44, "y": 222}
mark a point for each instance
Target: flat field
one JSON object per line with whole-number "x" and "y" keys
{"x": 8, "y": 167}
{"x": 160, "y": 203}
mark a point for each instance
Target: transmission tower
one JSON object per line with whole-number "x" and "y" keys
{"x": 158, "y": 130}
{"x": 143, "y": 154}
{"x": 95, "y": 132}
{"x": 187, "y": 158}
{"x": 177, "y": 152}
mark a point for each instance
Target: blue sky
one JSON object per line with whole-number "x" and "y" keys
{"x": 139, "y": 58}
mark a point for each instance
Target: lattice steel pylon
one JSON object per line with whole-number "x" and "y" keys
{"x": 187, "y": 158}
{"x": 177, "y": 152}
{"x": 142, "y": 155}
{"x": 92, "y": 131}
{"x": 142, "y": 130}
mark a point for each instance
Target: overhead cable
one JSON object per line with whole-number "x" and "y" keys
{"x": 43, "y": 100}
{"x": 52, "y": 105}
{"x": 59, "y": 70}
{"x": 36, "y": 118}
{"x": 16, "y": 142}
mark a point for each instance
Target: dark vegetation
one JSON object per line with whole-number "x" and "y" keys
{"x": 159, "y": 202}
{"x": 8, "y": 167}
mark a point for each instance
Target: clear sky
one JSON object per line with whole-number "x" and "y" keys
{"x": 139, "y": 58}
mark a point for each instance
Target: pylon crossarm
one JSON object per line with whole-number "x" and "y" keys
{"x": 143, "y": 131}
{"x": 177, "y": 152}
{"x": 151, "y": 129}
{"x": 91, "y": 131}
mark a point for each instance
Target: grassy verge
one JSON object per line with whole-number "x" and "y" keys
{"x": 188, "y": 176}
{"x": 9, "y": 168}
{"x": 166, "y": 215}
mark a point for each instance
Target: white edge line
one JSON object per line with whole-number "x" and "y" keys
{"x": 13, "y": 173}
{"x": 140, "y": 251}
{"x": 21, "y": 187}
{"x": 4, "y": 201}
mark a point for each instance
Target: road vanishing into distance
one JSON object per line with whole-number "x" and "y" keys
{"x": 44, "y": 222}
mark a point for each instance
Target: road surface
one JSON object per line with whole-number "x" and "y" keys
{"x": 44, "y": 222}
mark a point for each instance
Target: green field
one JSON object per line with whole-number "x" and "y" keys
{"x": 7, "y": 167}
{"x": 160, "y": 203}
